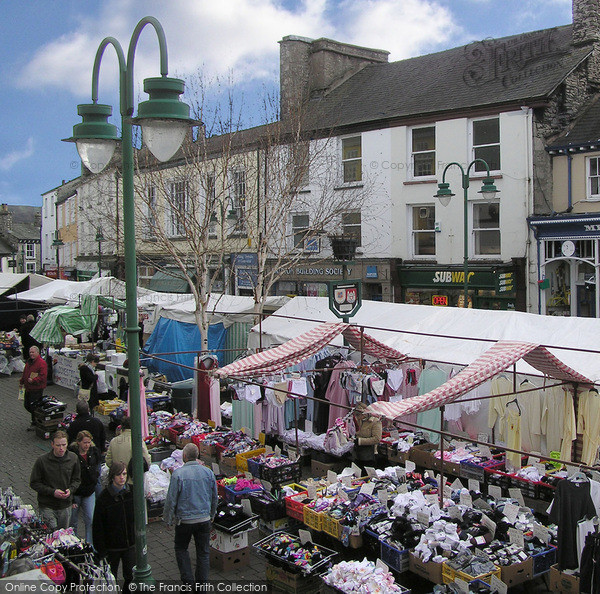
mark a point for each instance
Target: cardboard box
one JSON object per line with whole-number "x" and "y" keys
{"x": 430, "y": 571}
{"x": 319, "y": 469}
{"x": 422, "y": 456}
{"x": 294, "y": 583}
{"x": 227, "y": 543}
{"x": 276, "y": 525}
{"x": 517, "y": 573}
{"x": 228, "y": 466}
{"x": 563, "y": 582}
{"x": 229, "y": 561}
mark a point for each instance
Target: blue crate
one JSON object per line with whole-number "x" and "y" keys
{"x": 233, "y": 496}
{"x": 543, "y": 561}
{"x": 394, "y": 558}
{"x": 255, "y": 468}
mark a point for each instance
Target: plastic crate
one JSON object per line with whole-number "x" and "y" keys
{"x": 255, "y": 468}
{"x": 449, "y": 575}
{"x": 331, "y": 526}
{"x": 241, "y": 460}
{"x": 233, "y": 496}
{"x": 266, "y": 509}
{"x": 313, "y": 519}
{"x": 543, "y": 561}
{"x": 499, "y": 478}
{"x": 281, "y": 474}
{"x": 294, "y": 506}
{"x": 394, "y": 558}
{"x": 544, "y": 491}
{"x": 528, "y": 488}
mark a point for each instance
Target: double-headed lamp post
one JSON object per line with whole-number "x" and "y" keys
{"x": 488, "y": 191}
{"x": 99, "y": 239}
{"x": 57, "y": 243}
{"x": 164, "y": 120}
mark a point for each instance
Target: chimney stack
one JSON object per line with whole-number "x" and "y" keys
{"x": 5, "y": 219}
{"x": 586, "y": 22}
{"x": 310, "y": 68}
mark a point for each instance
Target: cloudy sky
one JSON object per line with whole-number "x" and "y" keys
{"x": 48, "y": 49}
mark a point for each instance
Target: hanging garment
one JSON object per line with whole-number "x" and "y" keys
{"x": 242, "y": 415}
{"x": 588, "y": 424}
{"x": 336, "y": 394}
{"x": 558, "y": 421}
{"x": 590, "y": 565}
{"x": 203, "y": 405}
{"x": 584, "y": 527}
{"x": 531, "y": 404}
{"x": 411, "y": 372}
{"x": 215, "y": 400}
{"x": 500, "y": 384}
{"x": 513, "y": 437}
{"x": 394, "y": 379}
{"x": 572, "y": 502}
{"x": 321, "y": 382}
{"x": 431, "y": 379}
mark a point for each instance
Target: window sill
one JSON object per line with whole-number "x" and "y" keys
{"x": 349, "y": 186}
{"x": 416, "y": 182}
{"x": 294, "y": 191}
{"x": 592, "y": 199}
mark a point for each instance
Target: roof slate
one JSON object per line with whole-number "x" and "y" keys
{"x": 585, "y": 129}
{"x": 524, "y": 67}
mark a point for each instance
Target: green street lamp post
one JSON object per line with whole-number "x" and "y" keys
{"x": 164, "y": 120}
{"x": 488, "y": 191}
{"x": 99, "y": 239}
{"x": 57, "y": 243}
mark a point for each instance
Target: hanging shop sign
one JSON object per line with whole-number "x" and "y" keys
{"x": 246, "y": 269}
{"x": 505, "y": 282}
{"x": 345, "y": 298}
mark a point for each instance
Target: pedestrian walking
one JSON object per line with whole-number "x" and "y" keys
{"x": 84, "y": 421}
{"x": 113, "y": 525}
{"x": 89, "y": 379}
{"x": 34, "y": 380}
{"x": 191, "y": 505}
{"x": 119, "y": 448}
{"x": 84, "y": 499}
{"x": 55, "y": 477}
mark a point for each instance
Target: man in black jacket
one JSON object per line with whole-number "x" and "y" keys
{"x": 56, "y": 476}
{"x": 85, "y": 422}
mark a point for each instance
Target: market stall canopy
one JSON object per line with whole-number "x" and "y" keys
{"x": 50, "y": 327}
{"x": 303, "y": 346}
{"x": 9, "y": 281}
{"x": 226, "y": 309}
{"x": 454, "y": 335}
{"x": 497, "y": 359}
{"x": 63, "y": 291}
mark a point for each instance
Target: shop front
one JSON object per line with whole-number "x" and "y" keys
{"x": 568, "y": 265}
{"x": 310, "y": 279}
{"x": 489, "y": 287}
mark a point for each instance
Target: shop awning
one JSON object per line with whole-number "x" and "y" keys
{"x": 497, "y": 359}
{"x": 167, "y": 282}
{"x": 303, "y": 346}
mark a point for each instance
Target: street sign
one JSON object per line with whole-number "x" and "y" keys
{"x": 345, "y": 298}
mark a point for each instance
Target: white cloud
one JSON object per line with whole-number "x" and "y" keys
{"x": 232, "y": 36}
{"x": 12, "y": 158}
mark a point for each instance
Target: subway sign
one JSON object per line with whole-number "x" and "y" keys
{"x": 501, "y": 280}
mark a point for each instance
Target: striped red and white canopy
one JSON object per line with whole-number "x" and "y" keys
{"x": 500, "y": 357}
{"x": 303, "y": 346}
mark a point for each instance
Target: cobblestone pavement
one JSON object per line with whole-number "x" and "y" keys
{"x": 19, "y": 448}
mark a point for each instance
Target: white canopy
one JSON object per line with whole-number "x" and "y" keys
{"x": 391, "y": 322}
{"x": 8, "y": 280}
{"x": 227, "y": 309}
{"x": 63, "y": 291}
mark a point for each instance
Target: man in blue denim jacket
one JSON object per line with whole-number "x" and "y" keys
{"x": 191, "y": 505}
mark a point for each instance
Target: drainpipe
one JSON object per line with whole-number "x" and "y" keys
{"x": 569, "y": 182}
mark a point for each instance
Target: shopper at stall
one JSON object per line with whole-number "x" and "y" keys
{"x": 26, "y": 341}
{"x": 113, "y": 524}
{"x": 34, "y": 380}
{"x": 55, "y": 477}
{"x": 368, "y": 434}
{"x": 89, "y": 379}
{"x": 191, "y": 505}
{"x": 85, "y": 422}
{"x": 119, "y": 449}
{"x": 84, "y": 498}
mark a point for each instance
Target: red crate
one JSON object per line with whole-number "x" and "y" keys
{"x": 295, "y": 508}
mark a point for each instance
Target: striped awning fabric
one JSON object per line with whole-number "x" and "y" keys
{"x": 500, "y": 357}
{"x": 302, "y": 347}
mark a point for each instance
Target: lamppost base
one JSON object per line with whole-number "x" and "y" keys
{"x": 143, "y": 576}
